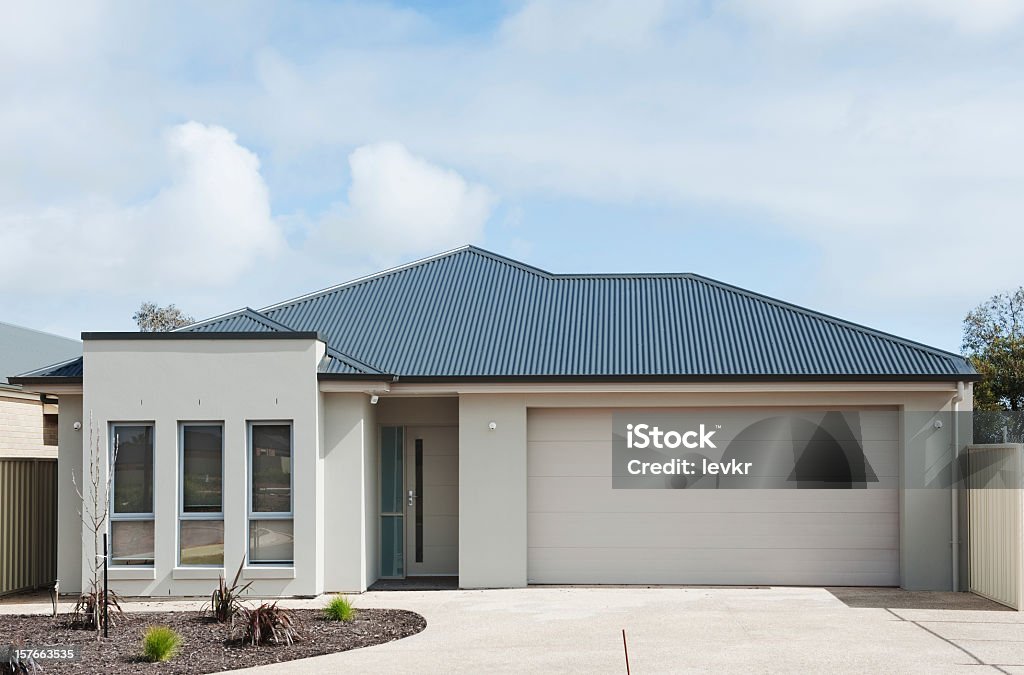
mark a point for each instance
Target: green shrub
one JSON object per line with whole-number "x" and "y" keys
{"x": 340, "y": 609}
{"x": 160, "y": 643}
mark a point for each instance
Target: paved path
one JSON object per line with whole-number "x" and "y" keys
{"x": 677, "y": 630}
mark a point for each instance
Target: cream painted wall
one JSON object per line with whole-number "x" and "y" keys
{"x": 350, "y": 493}
{"x": 492, "y": 466}
{"x": 69, "y": 522}
{"x": 166, "y": 381}
{"x": 492, "y": 491}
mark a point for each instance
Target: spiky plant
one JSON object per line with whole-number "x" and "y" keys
{"x": 269, "y": 624}
{"x": 88, "y": 611}
{"x": 225, "y": 601}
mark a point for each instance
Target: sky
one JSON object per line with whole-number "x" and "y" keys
{"x": 857, "y": 157}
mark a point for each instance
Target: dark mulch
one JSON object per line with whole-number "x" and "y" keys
{"x": 207, "y": 646}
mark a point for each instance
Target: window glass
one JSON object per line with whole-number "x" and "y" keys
{"x": 133, "y": 469}
{"x": 271, "y": 541}
{"x": 202, "y": 470}
{"x": 202, "y": 542}
{"x": 391, "y": 475}
{"x": 271, "y": 457}
{"x": 131, "y": 542}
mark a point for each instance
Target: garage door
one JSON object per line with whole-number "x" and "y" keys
{"x": 581, "y": 531}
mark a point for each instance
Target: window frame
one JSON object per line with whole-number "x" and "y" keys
{"x": 112, "y": 514}
{"x": 268, "y": 515}
{"x": 197, "y": 515}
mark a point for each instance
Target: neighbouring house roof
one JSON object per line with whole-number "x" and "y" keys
{"x": 23, "y": 349}
{"x": 470, "y": 313}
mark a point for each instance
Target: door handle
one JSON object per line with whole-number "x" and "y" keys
{"x": 412, "y": 496}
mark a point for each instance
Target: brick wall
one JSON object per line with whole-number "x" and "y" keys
{"x": 22, "y": 429}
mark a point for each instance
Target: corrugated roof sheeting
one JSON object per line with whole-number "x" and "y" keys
{"x": 72, "y": 368}
{"x": 472, "y": 313}
{"x": 243, "y": 321}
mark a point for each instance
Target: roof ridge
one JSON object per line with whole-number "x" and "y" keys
{"x": 825, "y": 317}
{"x": 253, "y": 314}
{"x": 352, "y": 361}
{"x": 470, "y": 248}
{"x": 273, "y": 323}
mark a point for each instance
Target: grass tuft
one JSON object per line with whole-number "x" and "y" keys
{"x": 160, "y": 643}
{"x": 340, "y": 609}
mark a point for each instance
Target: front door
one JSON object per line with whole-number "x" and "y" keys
{"x": 432, "y": 501}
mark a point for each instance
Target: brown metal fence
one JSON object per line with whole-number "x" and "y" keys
{"x": 28, "y": 524}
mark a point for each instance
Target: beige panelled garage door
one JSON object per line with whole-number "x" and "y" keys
{"x": 581, "y": 531}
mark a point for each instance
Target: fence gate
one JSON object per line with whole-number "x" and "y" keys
{"x": 995, "y": 509}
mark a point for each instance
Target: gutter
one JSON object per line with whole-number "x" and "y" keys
{"x": 504, "y": 379}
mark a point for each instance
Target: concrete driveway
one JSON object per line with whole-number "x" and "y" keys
{"x": 578, "y": 629}
{"x": 688, "y": 629}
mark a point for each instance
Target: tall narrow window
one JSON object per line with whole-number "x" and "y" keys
{"x": 271, "y": 532}
{"x": 131, "y": 494}
{"x": 201, "y": 496}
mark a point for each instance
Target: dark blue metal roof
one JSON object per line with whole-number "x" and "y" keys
{"x": 70, "y": 368}
{"x": 472, "y": 313}
{"x": 246, "y": 320}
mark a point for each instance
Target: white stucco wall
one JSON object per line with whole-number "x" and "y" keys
{"x": 167, "y": 381}
{"x": 350, "y": 493}
{"x": 492, "y": 491}
{"x": 493, "y": 475}
{"x": 69, "y": 523}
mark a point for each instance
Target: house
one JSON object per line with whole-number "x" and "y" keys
{"x": 28, "y": 454}
{"x": 28, "y": 421}
{"x": 467, "y": 415}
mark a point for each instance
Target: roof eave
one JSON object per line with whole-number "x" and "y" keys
{"x": 880, "y": 377}
{"x": 199, "y": 335}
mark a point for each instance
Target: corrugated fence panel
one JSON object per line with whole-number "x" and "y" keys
{"x": 28, "y": 524}
{"x": 995, "y": 523}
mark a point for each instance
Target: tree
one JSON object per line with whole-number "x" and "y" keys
{"x": 95, "y": 514}
{"x": 994, "y": 343}
{"x": 151, "y": 318}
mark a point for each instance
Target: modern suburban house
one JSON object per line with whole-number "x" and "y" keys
{"x": 28, "y": 455}
{"x": 455, "y": 417}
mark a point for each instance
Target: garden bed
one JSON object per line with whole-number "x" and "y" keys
{"x": 206, "y": 646}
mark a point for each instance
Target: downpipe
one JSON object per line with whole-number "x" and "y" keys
{"x": 954, "y": 490}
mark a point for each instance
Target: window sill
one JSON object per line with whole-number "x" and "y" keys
{"x": 268, "y": 572}
{"x": 197, "y": 572}
{"x": 129, "y": 573}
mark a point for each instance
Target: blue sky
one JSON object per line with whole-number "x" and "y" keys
{"x": 859, "y": 157}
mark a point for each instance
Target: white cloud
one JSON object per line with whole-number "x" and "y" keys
{"x": 399, "y": 204}
{"x": 561, "y": 25}
{"x": 889, "y": 143}
{"x": 827, "y": 16}
{"x": 203, "y": 229}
